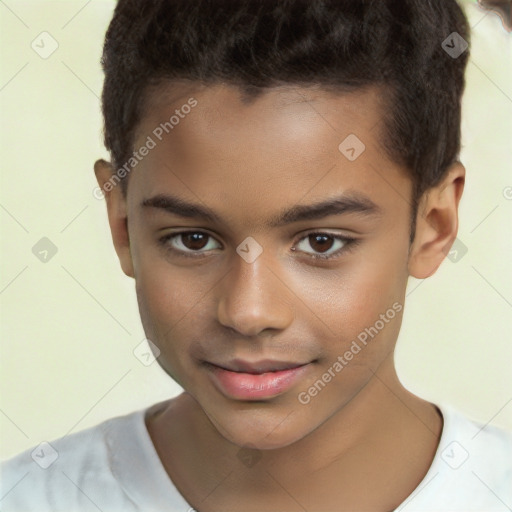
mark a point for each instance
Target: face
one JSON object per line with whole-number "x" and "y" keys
{"x": 271, "y": 310}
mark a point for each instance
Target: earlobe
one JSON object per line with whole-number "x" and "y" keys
{"x": 117, "y": 216}
{"x": 436, "y": 223}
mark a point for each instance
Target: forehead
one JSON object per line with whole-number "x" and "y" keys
{"x": 227, "y": 108}
{"x": 277, "y": 147}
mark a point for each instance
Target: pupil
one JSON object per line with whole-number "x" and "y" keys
{"x": 195, "y": 238}
{"x": 322, "y": 244}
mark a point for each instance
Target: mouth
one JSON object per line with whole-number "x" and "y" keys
{"x": 242, "y": 380}
{"x": 258, "y": 367}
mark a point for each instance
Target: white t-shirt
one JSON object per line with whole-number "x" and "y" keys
{"x": 114, "y": 467}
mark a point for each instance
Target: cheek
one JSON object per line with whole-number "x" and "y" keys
{"x": 344, "y": 301}
{"x": 377, "y": 294}
{"x": 356, "y": 310}
{"x": 163, "y": 296}
{"x": 169, "y": 311}
{"x": 173, "y": 303}
{"x": 166, "y": 293}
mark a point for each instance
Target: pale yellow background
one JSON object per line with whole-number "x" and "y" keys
{"x": 69, "y": 326}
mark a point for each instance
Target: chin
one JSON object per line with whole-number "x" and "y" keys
{"x": 250, "y": 426}
{"x": 260, "y": 440}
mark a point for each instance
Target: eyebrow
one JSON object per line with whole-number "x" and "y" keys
{"x": 344, "y": 204}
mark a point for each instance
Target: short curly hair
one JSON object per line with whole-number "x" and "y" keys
{"x": 259, "y": 44}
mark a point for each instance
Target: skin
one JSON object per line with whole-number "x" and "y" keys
{"x": 364, "y": 442}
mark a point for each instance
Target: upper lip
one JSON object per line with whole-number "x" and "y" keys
{"x": 262, "y": 366}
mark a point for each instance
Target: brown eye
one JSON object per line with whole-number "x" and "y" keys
{"x": 323, "y": 242}
{"x": 320, "y": 243}
{"x": 187, "y": 243}
{"x": 197, "y": 244}
{"x": 193, "y": 241}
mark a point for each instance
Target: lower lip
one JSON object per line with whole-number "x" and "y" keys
{"x": 247, "y": 386}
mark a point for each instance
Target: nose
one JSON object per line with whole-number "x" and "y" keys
{"x": 254, "y": 298}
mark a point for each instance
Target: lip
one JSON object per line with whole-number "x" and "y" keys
{"x": 261, "y": 366}
{"x": 243, "y": 385}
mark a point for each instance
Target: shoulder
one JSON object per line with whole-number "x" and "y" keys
{"x": 487, "y": 448}
{"x": 69, "y": 473}
{"x": 471, "y": 470}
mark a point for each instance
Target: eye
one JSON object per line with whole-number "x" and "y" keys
{"x": 187, "y": 243}
{"x": 195, "y": 244}
{"x": 324, "y": 242}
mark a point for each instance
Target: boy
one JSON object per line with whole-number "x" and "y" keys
{"x": 242, "y": 132}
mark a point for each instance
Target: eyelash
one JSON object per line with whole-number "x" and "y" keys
{"x": 349, "y": 243}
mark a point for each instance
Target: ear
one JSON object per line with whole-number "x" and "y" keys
{"x": 117, "y": 217}
{"x": 437, "y": 223}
